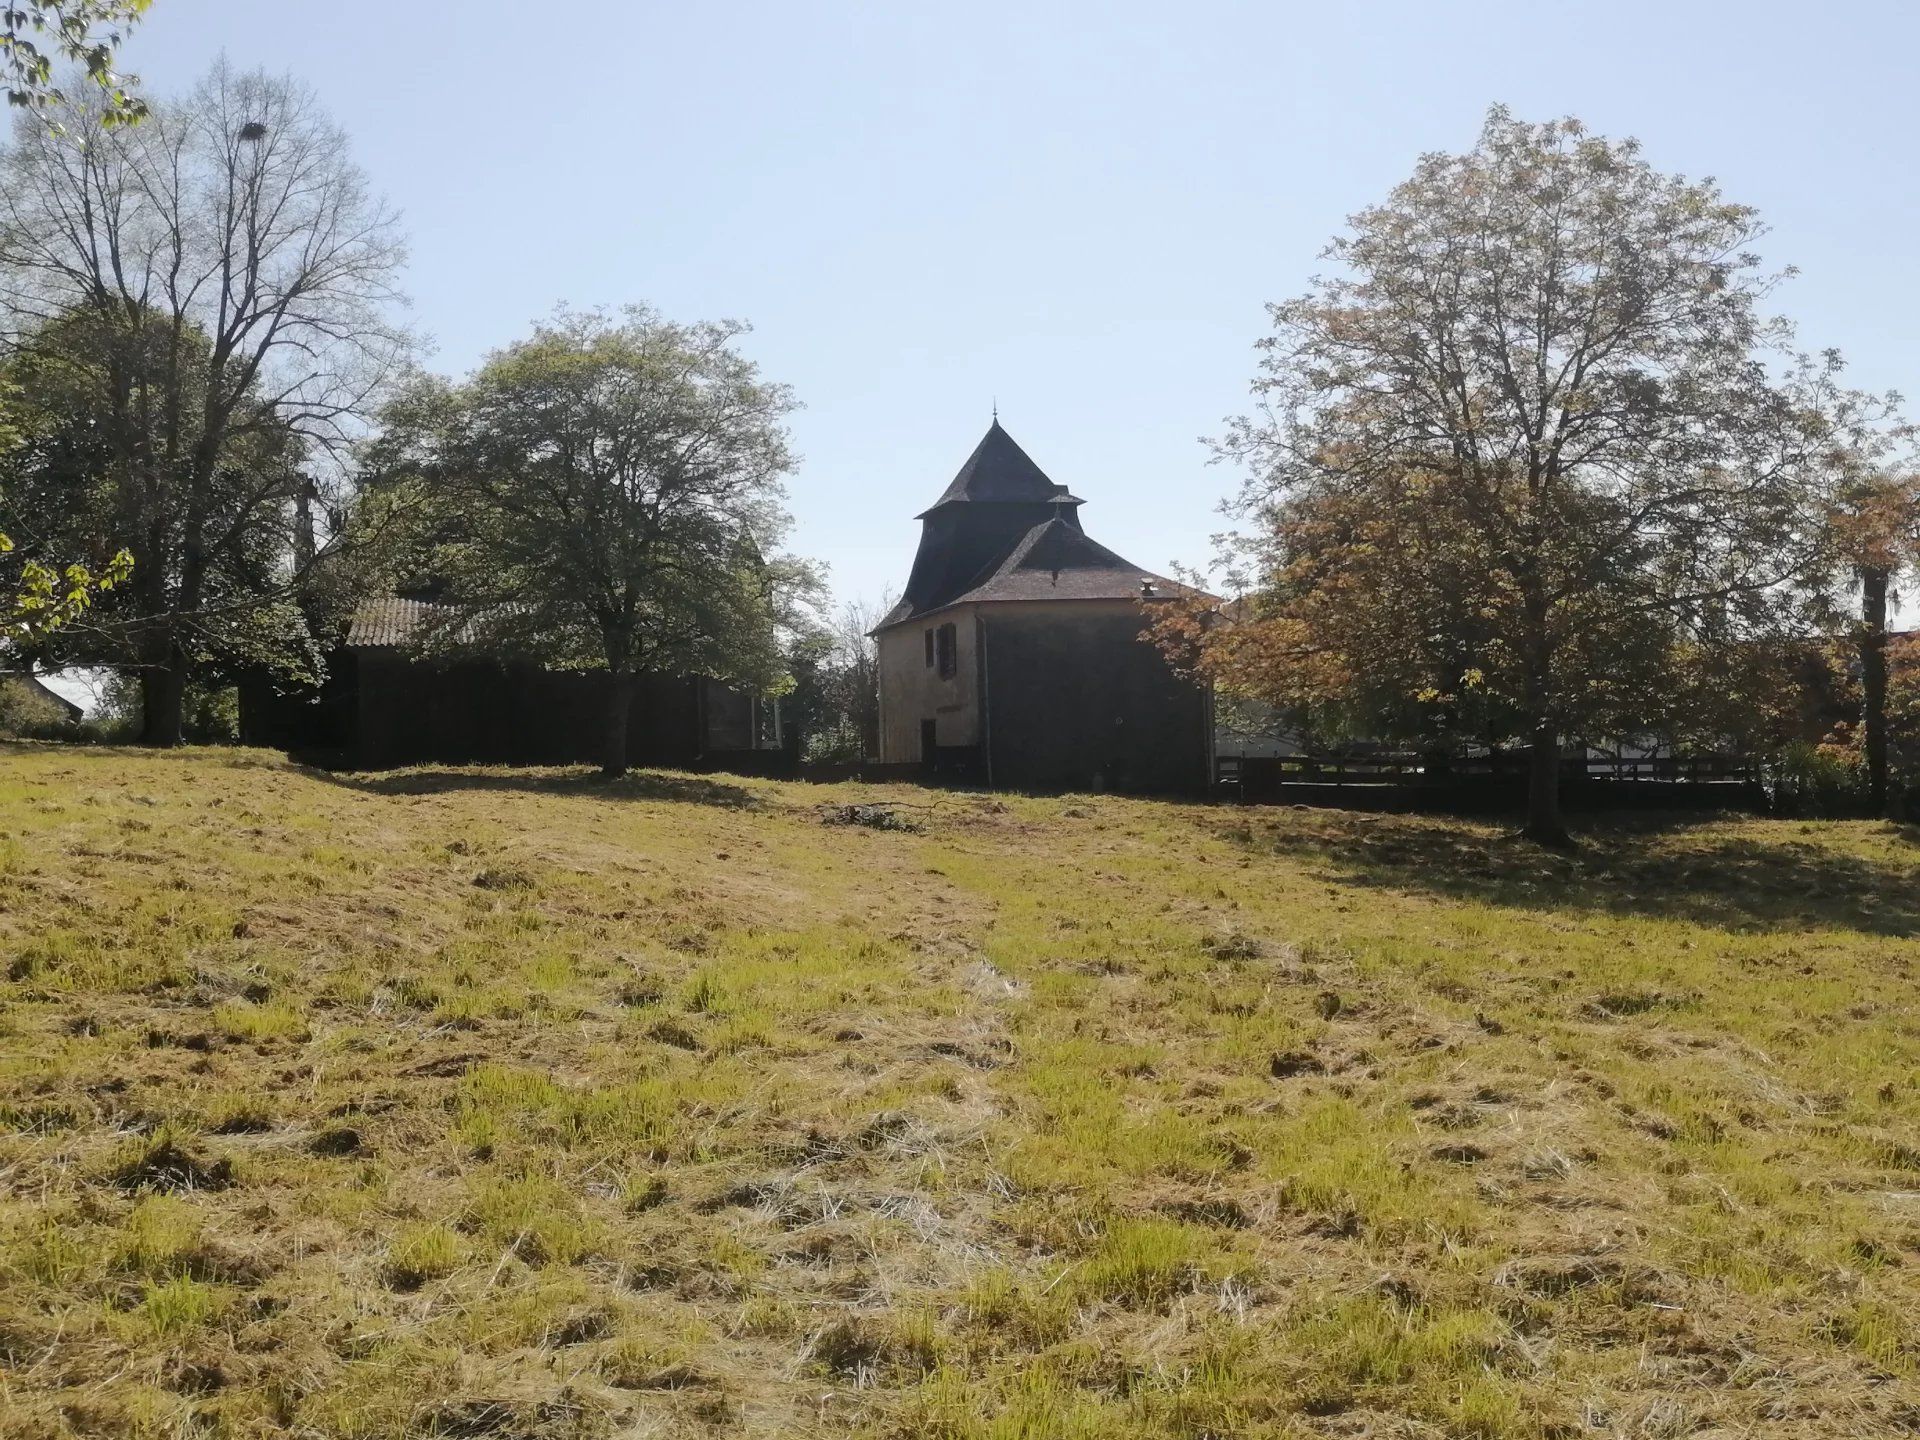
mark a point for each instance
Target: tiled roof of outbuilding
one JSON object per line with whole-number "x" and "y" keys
{"x": 68, "y": 708}
{"x": 388, "y": 622}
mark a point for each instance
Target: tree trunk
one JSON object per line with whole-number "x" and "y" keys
{"x": 1543, "y": 789}
{"x": 163, "y": 687}
{"x": 1873, "y": 683}
{"x": 163, "y": 690}
{"x": 613, "y": 750}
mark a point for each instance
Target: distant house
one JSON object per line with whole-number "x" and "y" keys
{"x": 27, "y": 698}
{"x": 1016, "y": 654}
{"x": 71, "y": 711}
{"x": 386, "y": 703}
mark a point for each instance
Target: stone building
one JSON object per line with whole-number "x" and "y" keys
{"x": 1016, "y": 655}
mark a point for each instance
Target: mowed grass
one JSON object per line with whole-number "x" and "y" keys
{"x": 509, "y": 1103}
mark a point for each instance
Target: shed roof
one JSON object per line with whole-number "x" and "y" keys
{"x": 30, "y": 681}
{"x": 383, "y": 622}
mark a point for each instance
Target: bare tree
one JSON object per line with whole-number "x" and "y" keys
{"x": 836, "y": 667}
{"x": 856, "y": 679}
{"x": 230, "y": 279}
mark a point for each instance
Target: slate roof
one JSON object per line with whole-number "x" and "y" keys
{"x": 902, "y": 610}
{"x": 1057, "y": 561}
{"x": 998, "y": 470}
{"x": 1004, "y": 531}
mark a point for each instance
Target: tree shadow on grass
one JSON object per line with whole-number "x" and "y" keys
{"x": 681, "y": 787}
{"x": 230, "y": 757}
{"x": 1695, "y": 868}
{"x": 675, "y": 787}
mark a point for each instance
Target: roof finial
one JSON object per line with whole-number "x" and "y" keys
{"x": 996, "y": 409}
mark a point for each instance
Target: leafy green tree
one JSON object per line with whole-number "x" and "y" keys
{"x": 1903, "y": 725}
{"x": 603, "y": 495}
{"x": 44, "y": 596}
{"x": 41, "y": 596}
{"x": 36, "y": 34}
{"x": 62, "y": 493}
{"x": 1532, "y": 455}
{"x": 47, "y": 598}
{"x": 216, "y": 285}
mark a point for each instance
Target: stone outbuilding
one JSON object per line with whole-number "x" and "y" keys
{"x": 1016, "y": 655}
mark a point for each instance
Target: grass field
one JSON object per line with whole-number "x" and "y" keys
{"x": 498, "y": 1103}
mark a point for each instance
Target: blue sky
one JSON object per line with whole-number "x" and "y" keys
{"x": 1078, "y": 209}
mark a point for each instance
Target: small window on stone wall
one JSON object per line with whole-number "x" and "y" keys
{"x": 945, "y": 648}
{"x": 929, "y": 648}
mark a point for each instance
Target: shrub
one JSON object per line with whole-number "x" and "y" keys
{"x": 1815, "y": 780}
{"x": 210, "y": 715}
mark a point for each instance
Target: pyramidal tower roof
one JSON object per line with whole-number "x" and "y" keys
{"x": 1000, "y": 472}
{"x": 1003, "y": 531}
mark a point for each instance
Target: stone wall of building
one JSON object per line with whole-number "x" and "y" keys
{"x": 913, "y": 691}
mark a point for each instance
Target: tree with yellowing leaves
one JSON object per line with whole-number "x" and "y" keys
{"x": 1531, "y": 461}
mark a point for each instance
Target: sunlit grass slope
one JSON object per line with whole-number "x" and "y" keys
{"x": 511, "y": 1104}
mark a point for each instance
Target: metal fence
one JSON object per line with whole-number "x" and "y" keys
{"x": 1488, "y": 782}
{"x": 1374, "y": 768}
